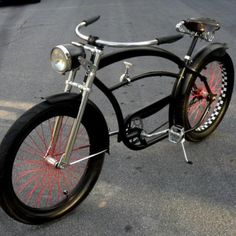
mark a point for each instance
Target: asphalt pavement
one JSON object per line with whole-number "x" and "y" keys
{"x": 149, "y": 192}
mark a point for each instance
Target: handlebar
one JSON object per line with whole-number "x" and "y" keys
{"x": 91, "y": 20}
{"x": 94, "y": 40}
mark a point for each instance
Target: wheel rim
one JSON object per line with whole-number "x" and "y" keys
{"x": 36, "y": 182}
{"x": 199, "y": 101}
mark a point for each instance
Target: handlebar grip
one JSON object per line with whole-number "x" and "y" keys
{"x": 169, "y": 39}
{"x": 91, "y": 20}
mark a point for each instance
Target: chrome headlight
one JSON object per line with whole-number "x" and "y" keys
{"x": 65, "y": 57}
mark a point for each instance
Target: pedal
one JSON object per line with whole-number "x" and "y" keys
{"x": 133, "y": 133}
{"x": 134, "y": 136}
{"x": 176, "y": 135}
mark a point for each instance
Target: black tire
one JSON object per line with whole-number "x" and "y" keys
{"x": 34, "y": 191}
{"x": 219, "y": 72}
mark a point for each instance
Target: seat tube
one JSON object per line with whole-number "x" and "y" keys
{"x": 187, "y": 57}
{"x": 88, "y": 82}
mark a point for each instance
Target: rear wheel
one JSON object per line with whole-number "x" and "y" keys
{"x": 201, "y": 110}
{"x": 34, "y": 190}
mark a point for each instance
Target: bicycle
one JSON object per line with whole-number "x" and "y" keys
{"x": 53, "y": 154}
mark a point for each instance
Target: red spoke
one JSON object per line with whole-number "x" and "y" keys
{"x": 193, "y": 107}
{"x": 36, "y": 182}
{"x": 52, "y": 186}
{"x": 27, "y": 172}
{"x": 28, "y": 162}
{"x": 198, "y": 115}
{"x": 218, "y": 77}
{"x": 195, "y": 116}
{"x": 61, "y": 138}
{"x": 215, "y": 77}
{"x": 44, "y": 187}
{"x": 194, "y": 113}
{"x": 51, "y": 129}
{"x": 52, "y": 182}
{"x": 67, "y": 181}
{"x": 34, "y": 189}
{"x": 36, "y": 145}
{"x": 21, "y": 187}
{"x": 42, "y": 137}
{"x": 81, "y": 147}
{"x": 212, "y": 74}
{"x": 50, "y": 126}
{"x": 31, "y": 151}
{"x": 50, "y": 191}
{"x": 198, "y": 98}
{"x": 75, "y": 149}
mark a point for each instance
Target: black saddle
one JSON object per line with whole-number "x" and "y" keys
{"x": 202, "y": 25}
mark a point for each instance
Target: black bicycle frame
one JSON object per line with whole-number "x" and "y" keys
{"x": 148, "y": 110}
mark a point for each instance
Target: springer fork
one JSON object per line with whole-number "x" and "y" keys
{"x": 85, "y": 88}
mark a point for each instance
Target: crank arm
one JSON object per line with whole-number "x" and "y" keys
{"x": 147, "y": 135}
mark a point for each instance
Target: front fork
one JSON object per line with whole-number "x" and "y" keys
{"x": 91, "y": 69}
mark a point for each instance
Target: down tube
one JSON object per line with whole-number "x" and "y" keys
{"x": 125, "y": 54}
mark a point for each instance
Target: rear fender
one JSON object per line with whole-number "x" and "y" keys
{"x": 181, "y": 84}
{"x": 212, "y": 50}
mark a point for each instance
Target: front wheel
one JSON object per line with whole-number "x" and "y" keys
{"x": 33, "y": 189}
{"x": 201, "y": 111}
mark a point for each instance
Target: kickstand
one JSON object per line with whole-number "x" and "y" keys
{"x": 185, "y": 155}
{"x": 176, "y": 135}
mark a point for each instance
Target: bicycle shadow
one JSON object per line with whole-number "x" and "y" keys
{"x": 11, "y": 3}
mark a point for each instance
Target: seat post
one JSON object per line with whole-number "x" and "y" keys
{"x": 191, "y": 48}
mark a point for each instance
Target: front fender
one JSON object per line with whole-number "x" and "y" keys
{"x": 63, "y": 97}
{"x": 92, "y": 112}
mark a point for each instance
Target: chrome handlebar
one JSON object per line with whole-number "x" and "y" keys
{"x": 79, "y": 34}
{"x": 180, "y": 27}
{"x": 127, "y": 44}
{"x": 110, "y": 43}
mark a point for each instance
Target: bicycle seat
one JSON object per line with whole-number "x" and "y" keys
{"x": 202, "y": 25}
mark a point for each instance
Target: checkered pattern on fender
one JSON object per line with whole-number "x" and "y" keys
{"x": 219, "y": 104}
